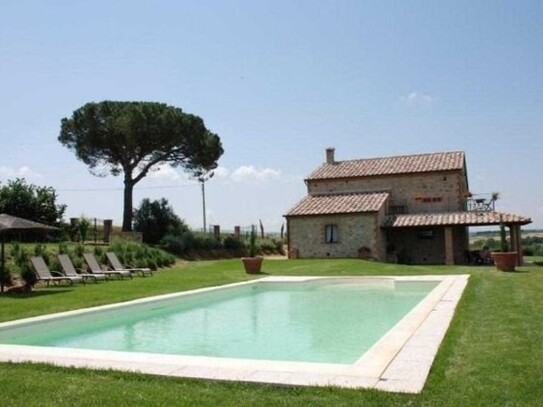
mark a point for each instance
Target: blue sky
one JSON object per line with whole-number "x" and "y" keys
{"x": 279, "y": 82}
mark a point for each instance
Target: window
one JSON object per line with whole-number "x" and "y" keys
{"x": 330, "y": 234}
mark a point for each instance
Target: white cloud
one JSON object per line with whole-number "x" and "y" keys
{"x": 251, "y": 174}
{"x": 168, "y": 173}
{"x": 221, "y": 172}
{"x": 21, "y": 172}
{"x": 248, "y": 174}
{"x": 418, "y": 99}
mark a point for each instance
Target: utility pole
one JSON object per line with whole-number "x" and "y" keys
{"x": 202, "y": 181}
{"x": 202, "y": 176}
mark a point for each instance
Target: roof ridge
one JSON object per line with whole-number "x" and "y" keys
{"x": 403, "y": 164}
{"x": 397, "y": 156}
{"x": 347, "y": 193}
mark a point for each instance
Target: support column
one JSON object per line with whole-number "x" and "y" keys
{"x": 449, "y": 246}
{"x": 516, "y": 244}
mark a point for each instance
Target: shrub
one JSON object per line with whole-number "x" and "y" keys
{"x": 140, "y": 255}
{"x": 233, "y": 243}
{"x": 156, "y": 219}
{"x": 41, "y": 251}
{"x": 84, "y": 226}
{"x": 63, "y": 248}
{"x": 178, "y": 244}
{"x": 6, "y": 276}
{"x": 79, "y": 250}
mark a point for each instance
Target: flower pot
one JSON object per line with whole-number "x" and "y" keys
{"x": 252, "y": 264}
{"x": 505, "y": 261}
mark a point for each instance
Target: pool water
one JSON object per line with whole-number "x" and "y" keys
{"x": 310, "y": 322}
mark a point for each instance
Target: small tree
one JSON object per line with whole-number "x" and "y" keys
{"x": 156, "y": 219}
{"x": 134, "y": 137}
{"x": 31, "y": 202}
{"x": 84, "y": 224}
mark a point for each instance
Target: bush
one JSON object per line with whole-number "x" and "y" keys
{"x": 41, "y": 251}
{"x": 28, "y": 275}
{"x": 140, "y": 255}
{"x": 233, "y": 243}
{"x": 156, "y": 219}
{"x": 63, "y": 248}
{"x": 179, "y": 244}
{"x": 6, "y": 276}
{"x": 84, "y": 225}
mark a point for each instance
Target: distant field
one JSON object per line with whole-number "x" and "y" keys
{"x": 473, "y": 237}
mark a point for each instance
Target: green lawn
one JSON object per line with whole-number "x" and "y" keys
{"x": 492, "y": 354}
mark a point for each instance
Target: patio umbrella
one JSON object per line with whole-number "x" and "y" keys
{"x": 9, "y": 223}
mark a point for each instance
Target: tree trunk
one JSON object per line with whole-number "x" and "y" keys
{"x": 128, "y": 206}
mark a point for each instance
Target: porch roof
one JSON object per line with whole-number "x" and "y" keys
{"x": 338, "y": 204}
{"x": 478, "y": 218}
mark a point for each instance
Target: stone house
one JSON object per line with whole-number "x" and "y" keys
{"x": 410, "y": 209}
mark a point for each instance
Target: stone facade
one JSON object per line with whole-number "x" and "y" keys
{"x": 409, "y": 193}
{"x": 416, "y": 193}
{"x": 307, "y": 235}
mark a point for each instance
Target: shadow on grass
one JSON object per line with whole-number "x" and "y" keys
{"x": 517, "y": 271}
{"x": 34, "y": 294}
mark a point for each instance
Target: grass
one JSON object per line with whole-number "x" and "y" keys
{"x": 492, "y": 354}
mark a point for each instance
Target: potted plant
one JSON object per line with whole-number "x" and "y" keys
{"x": 253, "y": 263}
{"x": 504, "y": 259}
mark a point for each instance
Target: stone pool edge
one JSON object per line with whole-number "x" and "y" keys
{"x": 399, "y": 362}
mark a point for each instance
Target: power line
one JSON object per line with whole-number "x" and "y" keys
{"x": 121, "y": 189}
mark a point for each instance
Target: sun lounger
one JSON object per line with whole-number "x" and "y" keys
{"x": 95, "y": 268}
{"x": 118, "y": 266}
{"x": 45, "y": 275}
{"x": 70, "y": 271}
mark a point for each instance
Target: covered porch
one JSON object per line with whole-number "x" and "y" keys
{"x": 443, "y": 237}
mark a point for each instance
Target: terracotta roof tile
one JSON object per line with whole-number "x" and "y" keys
{"x": 391, "y": 165}
{"x": 454, "y": 218}
{"x": 338, "y": 203}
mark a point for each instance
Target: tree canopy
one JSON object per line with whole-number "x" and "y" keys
{"x": 133, "y": 137}
{"x": 32, "y": 202}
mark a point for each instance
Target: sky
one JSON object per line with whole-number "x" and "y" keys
{"x": 279, "y": 82}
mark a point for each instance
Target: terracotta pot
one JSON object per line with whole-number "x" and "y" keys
{"x": 252, "y": 264}
{"x": 505, "y": 261}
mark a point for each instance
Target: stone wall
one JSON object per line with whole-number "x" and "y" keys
{"x": 430, "y": 192}
{"x": 307, "y": 235}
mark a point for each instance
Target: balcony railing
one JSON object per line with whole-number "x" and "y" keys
{"x": 481, "y": 203}
{"x": 475, "y": 203}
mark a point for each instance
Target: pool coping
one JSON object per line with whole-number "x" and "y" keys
{"x": 399, "y": 362}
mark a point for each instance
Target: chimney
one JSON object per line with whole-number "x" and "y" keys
{"x": 330, "y": 155}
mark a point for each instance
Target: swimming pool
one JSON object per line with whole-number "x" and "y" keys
{"x": 343, "y": 328}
